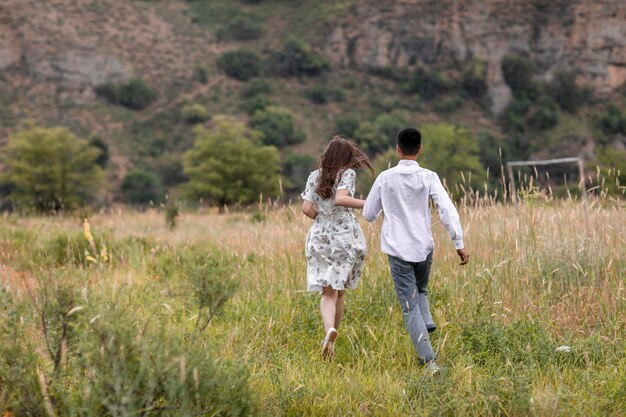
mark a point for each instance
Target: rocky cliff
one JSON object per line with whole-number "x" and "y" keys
{"x": 585, "y": 36}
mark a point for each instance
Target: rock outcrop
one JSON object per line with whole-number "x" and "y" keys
{"x": 584, "y": 36}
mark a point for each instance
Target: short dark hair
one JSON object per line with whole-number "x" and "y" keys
{"x": 409, "y": 140}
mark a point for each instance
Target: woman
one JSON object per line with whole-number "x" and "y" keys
{"x": 335, "y": 245}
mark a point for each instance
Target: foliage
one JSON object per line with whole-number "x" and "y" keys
{"x": 256, "y": 96}
{"x": 612, "y": 121}
{"x": 322, "y": 93}
{"x": 517, "y": 71}
{"x": 545, "y": 115}
{"x": 169, "y": 167}
{"x": 277, "y": 126}
{"x": 567, "y": 93}
{"x": 380, "y": 135}
{"x": 172, "y": 210}
{"x": 240, "y": 64}
{"x": 346, "y": 125}
{"x": 141, "y": 187}
{"x": 380, "y": 163}
{"x": 194, "y": 113}
{"x": 449, "y": 150}
{"x": 491, "y": 153}
{"x": 136, "y": 93}
{"x": 241, "y": 27}
{"x": 257, "y": 87}
{"x": 474, "y": 80}
{"x": 229, "y": 164}
{"x": 296, "y": 169}
{"x": 611, "y": 168}
{"x": 449, "y": 105}
{"x": 298, "y": 59}
{"x": 103, "y": 158}
{"x": 428, "y": 83}
{"x": 51, "y": 168}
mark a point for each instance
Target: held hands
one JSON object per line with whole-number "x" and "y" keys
{"x": 464, "y": 255}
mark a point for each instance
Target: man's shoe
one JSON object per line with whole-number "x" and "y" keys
{"x": 432, "y": 368}
{"x": 431, "y": 328}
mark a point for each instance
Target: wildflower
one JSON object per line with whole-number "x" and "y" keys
{"x": 564, "y": 349}
{"x": 87, "y": 232}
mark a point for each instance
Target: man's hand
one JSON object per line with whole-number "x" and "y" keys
{"x": 464, "y": 255}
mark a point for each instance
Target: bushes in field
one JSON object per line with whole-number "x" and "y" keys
{"x": 256, "y": 96}
{"x": 428, "y": 83}
{"x": 141, "y": 187}
{"x": 474, "y": 80}
{"x": 612, "y": 121}
{"x": 194, "y": 113}
{"x": 241, "y": 64}
{"x": 78, "y": 350}
{"x": 346, "y": 125}
{"x": 517, "y": 71}
{"x": 136, "y": 93}
{"x": 277, "y": 126}
{"x": 50, "y": 169}
{"x": 569, "y": 95}
{"x": 296, "y": 169}
{"x": 297, "y": 59}
{"x": 379, "y": 135}
{"x": 229, "y": 165}
{"x": 241, "y": 27}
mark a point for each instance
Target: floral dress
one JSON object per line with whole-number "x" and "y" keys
{"x": 335, "y": 245}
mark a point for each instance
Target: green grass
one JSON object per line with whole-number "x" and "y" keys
{"x": 541, "y": 276}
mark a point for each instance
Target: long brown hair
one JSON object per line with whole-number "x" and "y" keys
{"x": 340, "y": 154}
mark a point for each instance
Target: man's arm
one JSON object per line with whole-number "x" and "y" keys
{"x": 373, "y": 204}
{"x": 449, "y": 217}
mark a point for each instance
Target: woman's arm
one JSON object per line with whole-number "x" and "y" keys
{"x": 342, "y": 198}
{"x": 308, "y": 209}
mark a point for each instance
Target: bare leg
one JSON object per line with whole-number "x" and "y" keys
{"x": 328, "y": 307}
{"x": 339, "y": 308}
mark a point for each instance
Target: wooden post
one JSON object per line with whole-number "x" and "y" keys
{"x": 512, "y": 188}
{"x": 583, "y": 182}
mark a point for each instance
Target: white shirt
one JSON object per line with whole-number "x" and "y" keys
{"x": 402, "y": 193}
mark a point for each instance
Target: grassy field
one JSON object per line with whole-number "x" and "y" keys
{"x": 541, "y": 276}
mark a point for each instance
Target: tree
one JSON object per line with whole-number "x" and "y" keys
{"x": 276, "y": 124}
{"x": 450, "y": 150}
{"x": 136, "y": 93}
{"x": 230, "y": 165}
{"x": 141, "y": 187}
{"x": 51, "y": 169}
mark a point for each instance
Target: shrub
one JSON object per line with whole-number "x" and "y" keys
{"x": 346, "y": 125}
{"x": 546, "y": 114}
{"x": 257, "y": 87}
{"x": 141, "y": 187}
{"x": 296, "y": 168}
{"x": 51, "y": 169}
{"x": 276, "y": 123}
{"x": 428, "y": 83}
{"x": 103, "y": 158}
{"x": 230, "y": 165}
{"x": 475, "y": 78}
{"x": 612, "y": 121}
{"x": 241, "y": 64}
{"x": 136, "y": 93}
{"x": 241, "y": 27}
{"x": 170, "y": 169}
{"x": 449, "y": 105}
{"x": 194, "y": 113}
{"x": 379, "y": 135}
{"x": 513, "y": 117}
{"x": 322, "y": 94}
{"x": 297, "y": 59}
{"x": 201, "y": 74}
{"x": 564, "y": 90}
{"x": 517, "y": 71}
{"x": 254, "y": 104}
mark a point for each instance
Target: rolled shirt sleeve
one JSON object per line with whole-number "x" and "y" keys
{"x": 447, "y": 212}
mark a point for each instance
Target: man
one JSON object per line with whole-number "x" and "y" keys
{"x": 403, "y": 193}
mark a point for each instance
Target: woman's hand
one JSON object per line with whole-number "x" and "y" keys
{"x": 343, "y": 199}
{"x": 308, "y": 209}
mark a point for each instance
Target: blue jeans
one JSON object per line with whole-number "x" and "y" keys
{"x": 411, "y": 280}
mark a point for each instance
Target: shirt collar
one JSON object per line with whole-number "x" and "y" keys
{"x": 407, "y": 162}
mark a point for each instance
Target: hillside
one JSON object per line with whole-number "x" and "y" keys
{"x": 54, "y": 55}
